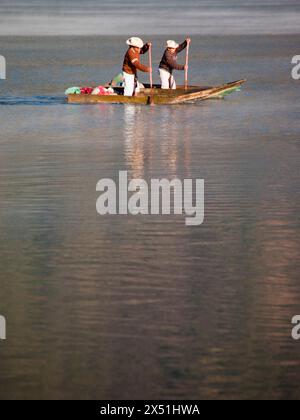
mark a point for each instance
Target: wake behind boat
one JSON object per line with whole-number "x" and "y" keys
{"x": 158, "y": 96}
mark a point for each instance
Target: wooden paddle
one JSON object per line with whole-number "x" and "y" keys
{"x": 151, "y": 99}
{"x": 187, "y": 65}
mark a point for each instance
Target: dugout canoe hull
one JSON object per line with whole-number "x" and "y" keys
{"x": 158, "y": 96}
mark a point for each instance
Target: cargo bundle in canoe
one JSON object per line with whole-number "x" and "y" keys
{"x": 159, "y": 96}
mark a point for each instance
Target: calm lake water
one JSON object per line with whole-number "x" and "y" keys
{"x": 145, "y": 307}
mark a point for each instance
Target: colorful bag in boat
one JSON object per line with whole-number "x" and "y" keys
{"x": 111, "y": 91}
{"x": 73, "y": 91}
{"x": 86, "y": 90}
{"x": 100, "y": 90}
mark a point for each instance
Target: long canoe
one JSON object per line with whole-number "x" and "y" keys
{"x": 159, "y": 96}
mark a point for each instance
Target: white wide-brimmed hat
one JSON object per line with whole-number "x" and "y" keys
{"x": 135, "y": 42}
{"x": 172, "y": 44}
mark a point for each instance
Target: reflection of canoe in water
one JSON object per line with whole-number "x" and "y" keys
{"x": 159, "y": 96}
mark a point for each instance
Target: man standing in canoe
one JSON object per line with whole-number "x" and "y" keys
{"x": 132, "y": 64}
{"x": 169, "y": 63}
